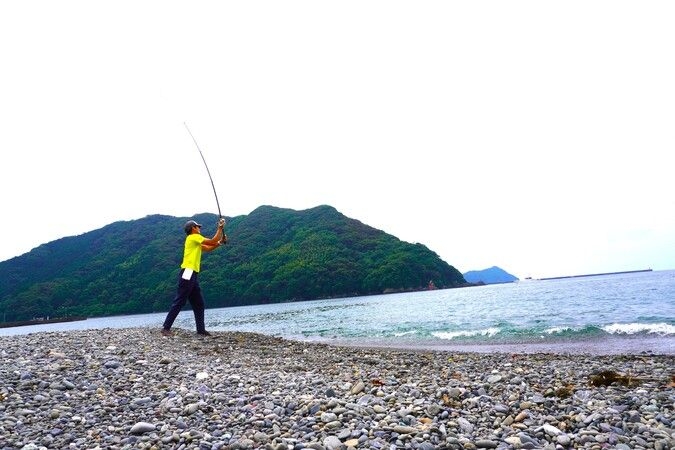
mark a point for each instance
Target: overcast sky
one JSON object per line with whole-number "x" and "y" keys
{"x": 533, "y": 135}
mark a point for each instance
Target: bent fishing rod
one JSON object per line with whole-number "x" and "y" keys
{"x": 220, "y": 215}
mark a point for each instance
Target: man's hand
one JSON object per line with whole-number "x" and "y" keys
{"x": 221, "y": 222}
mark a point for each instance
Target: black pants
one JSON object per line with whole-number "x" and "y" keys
{"x": 187, "y": 290}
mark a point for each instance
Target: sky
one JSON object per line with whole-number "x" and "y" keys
{"x": 531, "y": 135}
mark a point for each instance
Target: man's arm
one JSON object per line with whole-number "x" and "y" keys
{"x": 209, "y": 248}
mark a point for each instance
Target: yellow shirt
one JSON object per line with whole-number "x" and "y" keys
{"x": 192, "y": 255}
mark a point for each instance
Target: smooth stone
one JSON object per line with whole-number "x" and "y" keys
{"x": 402, "y": 429}
{"x": 563, "y": 440}
{"x": 551, "y": 430}
{"x": 358, "y": 388}
{"x": 142, "y": 427}
{"x": 332, "y": 442}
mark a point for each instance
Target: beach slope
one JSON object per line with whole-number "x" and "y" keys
{"x": 134, "y": 388}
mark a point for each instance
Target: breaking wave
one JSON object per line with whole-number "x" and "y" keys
{"x": 662, "y": 329}
{"x": 449, "y": 335}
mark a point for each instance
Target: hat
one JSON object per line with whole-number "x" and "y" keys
{"x": 189, "y": 224}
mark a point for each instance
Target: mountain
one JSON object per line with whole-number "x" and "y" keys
{"x": 273, "y": 255}
{"x": 493, "y": 275}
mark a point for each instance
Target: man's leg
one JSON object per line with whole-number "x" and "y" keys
{"x": 182, "y": 295}
{"x": 197, "y": 302}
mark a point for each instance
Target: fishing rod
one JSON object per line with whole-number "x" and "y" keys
{"x": 220, "y": 215}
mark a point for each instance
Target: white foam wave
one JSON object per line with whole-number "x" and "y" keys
{"x": 662, "y": 329}
{"x": 405, "y": 333}
{"x": 448, "y": 335}
{"x": 555, "y": 330}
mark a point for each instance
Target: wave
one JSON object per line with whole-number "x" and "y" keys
{"x": 662, "y": 329}
{"x": 561, "y": 330}
{"x": 404, "y": 333}
{"x": 567, "y": 330}
{"x": 449, "y": 335}
{"x": 507, "y": 333}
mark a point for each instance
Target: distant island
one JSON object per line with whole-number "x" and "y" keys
{"x": 492, "y": 275}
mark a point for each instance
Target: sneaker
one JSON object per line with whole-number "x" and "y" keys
{"x": 204, "y": 333}
{"x": 166, "y": 332}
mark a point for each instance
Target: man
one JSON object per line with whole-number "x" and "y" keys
{"x": 188, "y": 281}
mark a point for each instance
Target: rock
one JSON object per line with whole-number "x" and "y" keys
{"x": 514, "y": 441}
{"x": 401, "y": 429}
{"x": 142, "y": 427}
{"x": 563, "y": 440}
{"x": 454, "y": 393}
{"x": 328, "y": 417}
{"x": 332, "y": 442}
{"x": 551, "y": 430}
{"x": 465, "y": 425}
{"x": 521, "y": 416}
{"x": 358, "y": 387}
{"x": 433, "y": 410}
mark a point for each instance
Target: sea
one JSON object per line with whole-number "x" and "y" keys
{"x": 629, "y": 313}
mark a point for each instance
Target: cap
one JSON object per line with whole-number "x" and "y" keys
{"x": 189, "y": 224}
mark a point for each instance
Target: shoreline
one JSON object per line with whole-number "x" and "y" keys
{"x": 616, "y": 344}
{"x": 605, "y": 346}
{"x": 132, "y": 387}
{"x": 25, "y": 323}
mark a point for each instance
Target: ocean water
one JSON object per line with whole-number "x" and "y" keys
{"x": 607, "y": 314}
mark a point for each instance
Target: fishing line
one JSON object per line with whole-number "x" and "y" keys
{"x": 220, "y": 215}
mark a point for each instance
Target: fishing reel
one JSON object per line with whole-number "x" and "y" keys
{"x": 221, "y": 223}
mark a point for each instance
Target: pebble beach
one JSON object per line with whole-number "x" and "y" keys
{"x": 133, "y": 388}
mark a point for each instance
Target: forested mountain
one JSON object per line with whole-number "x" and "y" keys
{"x": 273, "y": 255}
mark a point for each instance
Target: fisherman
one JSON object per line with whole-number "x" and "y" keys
{"x": 188, "y": 280}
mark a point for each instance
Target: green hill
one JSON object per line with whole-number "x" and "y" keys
{"x": 274, "y": 255}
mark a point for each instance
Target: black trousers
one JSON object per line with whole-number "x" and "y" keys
{"x": 187, "y": 290}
